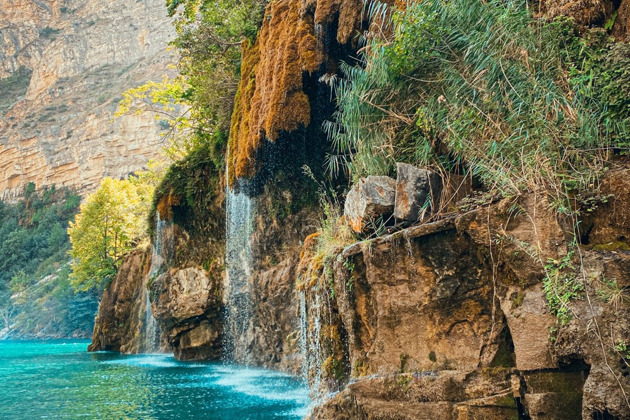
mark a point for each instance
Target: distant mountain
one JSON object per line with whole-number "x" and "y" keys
{"x": 63, "y": 67}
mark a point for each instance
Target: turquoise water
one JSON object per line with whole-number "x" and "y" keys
{"x": 59, "y": 379}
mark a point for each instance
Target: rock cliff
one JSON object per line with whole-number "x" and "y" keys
{"x": 450, "y": 319}
{"x": 63, "y": 68}
{"x": 120, "y": 323}
{"x": 181, "y": 274}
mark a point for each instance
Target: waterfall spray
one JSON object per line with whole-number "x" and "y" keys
{"x": 150, "y": 327}
{"x": 240, "y": 211}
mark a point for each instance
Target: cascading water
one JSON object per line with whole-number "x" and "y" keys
{"x": 310, "y": 339}
{"x": 240, "y": 211}
{"x": 303, "y": 334}
{"x": 151, "y": 339}
{"x": 150, "y": 327}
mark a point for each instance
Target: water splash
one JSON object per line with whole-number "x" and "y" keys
{"x": 240, "y": 211}
{"x": 310, "y": 340}
{"x": 162, "y": 243}
{"x": 151, "y": 342}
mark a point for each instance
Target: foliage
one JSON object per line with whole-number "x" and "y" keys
{"x": 599, "y": 71}
{"x": 561, "y": 286}
{"x": 474, "y": 86}
{"x": 612, "y": 293}
{"x": 35, "y": 293}
{"x": 210, "y": 34}
{"x": 14, "y": 86}
{"x": 169, "y": 102}
{"x": 48, "y": 32}
{"x": 334, "y": 231}
{"x": 197, "y": 105}
{"x": 109, "y": 224}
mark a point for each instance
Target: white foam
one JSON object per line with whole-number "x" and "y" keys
{"x": 252, "y": 382}
{"x": 146, "y": 360}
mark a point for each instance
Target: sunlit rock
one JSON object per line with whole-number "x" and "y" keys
{"x": 369, "y": 199}
{"x": 417, "y": 192}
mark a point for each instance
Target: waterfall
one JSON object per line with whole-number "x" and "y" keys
{"x": 240, "y": 211}
{"x": 150, "y": 328}
{"x": 310, "y": 339}
{"x": 304, "y": 335}
{"x": 151, "y": 336}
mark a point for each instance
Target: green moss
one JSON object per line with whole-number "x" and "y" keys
{"x": 610, "y": 246}
{"x": 361, "y": 367}
{"x": 432, "y": 356}
{"x": 190, "y": 194}
{"x": 506, "y": 401}
{"x": 517, "y": 300}
{"x": 403, "y": 381}
{"x": 403, "y": 362}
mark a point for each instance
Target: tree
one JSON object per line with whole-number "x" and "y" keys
{"x": 109, "y": 224}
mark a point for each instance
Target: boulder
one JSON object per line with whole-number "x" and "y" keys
{"x": 369, "y": 199}
{"x": 186, "y": 304}
{"x": 416, "y": 191}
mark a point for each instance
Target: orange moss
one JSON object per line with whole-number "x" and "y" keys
{"x": 240, "y": 145}
{"x": 165, "y": 204}
{"x": 309, "y": 244}
{"x": 270, "y": 97}
{"x": 310, "y": 265}
{"x": 331, "y": 332}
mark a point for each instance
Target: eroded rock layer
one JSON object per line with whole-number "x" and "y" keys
{"x": 63, "y": 68}
{"x": 450, "y": 320}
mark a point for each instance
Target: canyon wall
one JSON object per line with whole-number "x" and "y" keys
{"x": 63, "y": 67}
{"x": 443, "y": 320}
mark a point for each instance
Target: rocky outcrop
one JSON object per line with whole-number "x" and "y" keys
{"x": 188, "y": 308}
{"x": 451, "y": 318}
{"x": 369, "y": 199}
{"x": 120, "y": 322}
{"x": 417, "y": 192}
{"x": 66, "y": 64}
{"x": 183, "y": 270}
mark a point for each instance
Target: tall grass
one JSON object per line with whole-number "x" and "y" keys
{"x": 470, "y": 86}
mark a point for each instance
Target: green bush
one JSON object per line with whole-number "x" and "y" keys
{"x": 13, "y": 87}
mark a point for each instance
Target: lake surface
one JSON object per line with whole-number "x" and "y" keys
{"x": 59, "y": 379}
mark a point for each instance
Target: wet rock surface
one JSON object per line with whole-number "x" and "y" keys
{"x": 118, "y": 326}
{"x": 187, "y": 306}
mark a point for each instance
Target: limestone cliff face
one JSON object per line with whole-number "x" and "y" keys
{"x": 63, "y": 67}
